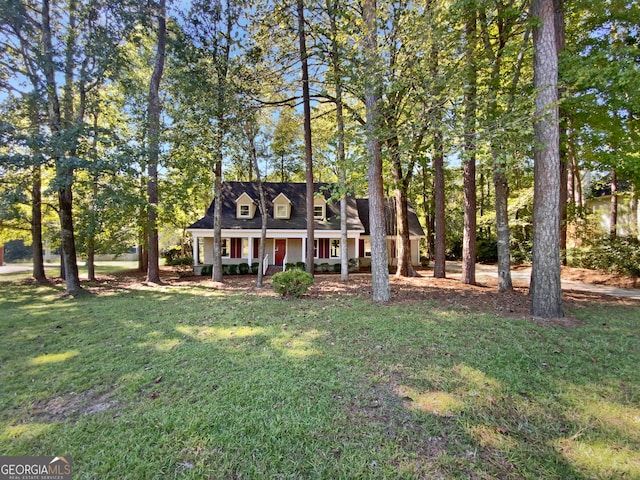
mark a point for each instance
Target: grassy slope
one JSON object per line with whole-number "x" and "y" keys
{"x": 196, "y": 383}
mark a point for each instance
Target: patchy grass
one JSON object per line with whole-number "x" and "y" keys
{"x": 195, "y": 382}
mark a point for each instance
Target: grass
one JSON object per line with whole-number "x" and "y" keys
{"x": 192, "y": 382}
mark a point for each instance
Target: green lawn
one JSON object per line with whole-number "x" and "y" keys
{"x": 191, "y": 382}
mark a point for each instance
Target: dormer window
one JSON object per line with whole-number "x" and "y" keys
{"x": 281, "y": 211}
{"x": 319, "y": 208}
{"x": 245, "y": 206}
{"x": 281, "y": 207}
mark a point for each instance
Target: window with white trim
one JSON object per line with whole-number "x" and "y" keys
{"x": 244, "y": 211}
{"x": 225, "y": 247}
{"x": 318, "y": 212}
{"x": 281, "y": 211}
{"x": 367, "y": 247}
{"x": 334, "y": 248}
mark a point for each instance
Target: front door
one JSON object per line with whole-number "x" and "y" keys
{"x": 281, "y": 250}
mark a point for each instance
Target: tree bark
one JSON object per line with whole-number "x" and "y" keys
{"x": 154, "y": 108}
{"x": 36, "y": 226}
{"x": 216, "y": 270}
{"x": 559, "y": 24}
{"x": 635, "y": 227}
{"x": 613, "y": 226}
{"x": 308, "y": 151}
{"x": 546, "y": 293}
{"x": 342, "y": 168}
{"x": 64, "y": 171}
{"x": 439, "y": 267}
{"x": 381, "y": 291}
{"x": 469, "y": 164}
{"x": 263, "y": 206}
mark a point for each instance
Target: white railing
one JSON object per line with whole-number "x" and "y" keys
{"x": 284, "y": 263}
{"x": 265, "y": 264}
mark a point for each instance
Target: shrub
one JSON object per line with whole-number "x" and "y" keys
{"x": 354, "y": 264}
{"x": 171, "y": 253}
{"x": 301, "y": 266}
{"x": 225, "y": 269}
{"x": 289, "y": 266}
{"x": 206, "y": 270}
{"x": 608, "y": 254}
{"x": 487, "y": 250}
{"x": 233, "y": 269}
{"x": 324, "y": 267}
{"x": 243, "y": 268}
{"x": 254, "y": 267}
{"x": 292, "y": 282}
{"x": 337, "y": 268}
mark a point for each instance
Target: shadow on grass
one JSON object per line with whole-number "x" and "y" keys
{"x": 195, "y": 382}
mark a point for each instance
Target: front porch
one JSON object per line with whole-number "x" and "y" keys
{"x": 280, "y": 249}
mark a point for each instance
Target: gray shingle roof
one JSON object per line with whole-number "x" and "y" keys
{"x": 357, "y": 210}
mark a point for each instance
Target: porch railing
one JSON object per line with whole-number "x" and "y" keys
{"x": 284, "y": 263}
{"x": 265, "y": 264}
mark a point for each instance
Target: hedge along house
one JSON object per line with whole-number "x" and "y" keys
{"x": 287, "y": 227}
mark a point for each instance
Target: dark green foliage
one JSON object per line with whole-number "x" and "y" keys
{"x": 173, "y": 256}
{"x": 292, "y": 282}
{"x": 290, "y": 266}
{"x": 487, "y": 250}
{"x": 207, "y": 270}
{"x": 301, "y": 265}
{"x": 233, "y": 269}
{"x": 324, "y": 267}
{"x": 521, "y": 251}
{"x": 608, "y": 254}
{"x": 225, "y": 270}
{"x": 17, "y": 250}
{"x": 337, "y": 267}
{"x": 254, "y": 267}
{"x": 243, "y": 268}
{"x": 354, "y": 264}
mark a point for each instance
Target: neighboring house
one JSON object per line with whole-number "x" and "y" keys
{"x": 628, "y": 213}
{"x": 287, "y": 227}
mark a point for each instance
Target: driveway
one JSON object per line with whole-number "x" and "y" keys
{"x": 523, "y": 276}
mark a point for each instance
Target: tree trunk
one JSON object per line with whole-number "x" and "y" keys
{"x": 613, "y": 226}
{"x": 308, "y": 152}
{"x": 439, "y": 268}
{"x": 559, "y": 30}
{"x": 36, "y": 226}
{"x": 216, "y": 271}
{"x": 635, "y": 226}
{"x": 381, "y": 291}
{"x": 469, "y": 164}
{"x": 342, "y": 168}
{"x": 153, "y": 269}
{"x": 503, "y": 231}
{"x": 263, "y": 207}
{"x": 64, "y": 173}
{"x": 36, "y": 201}
{"x": 403, "y": 241}
{"x": 546, "y": 293}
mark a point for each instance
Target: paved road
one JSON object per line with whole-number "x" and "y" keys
{"x": 21, "y": 267}
{"x": 524, "y": 275}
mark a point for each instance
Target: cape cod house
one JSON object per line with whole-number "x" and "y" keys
{"x": 287, "y": 227}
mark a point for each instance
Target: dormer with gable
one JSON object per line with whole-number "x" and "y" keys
{"x": 245, "y": 206}
{"x": 319, "y": 208}
{"x": 281, "y": 207}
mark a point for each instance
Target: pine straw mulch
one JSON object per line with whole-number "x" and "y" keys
{"x": 447, "y": 292}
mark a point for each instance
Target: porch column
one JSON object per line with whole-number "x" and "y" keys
{"x": 250, "y": 246}
{"x": 196, "y": 240}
